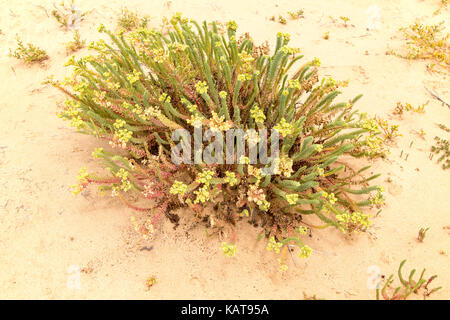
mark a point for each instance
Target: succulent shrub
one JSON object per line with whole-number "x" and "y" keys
{"x": 141, "y": 86}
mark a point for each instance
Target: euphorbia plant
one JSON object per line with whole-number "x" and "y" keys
{"x": 143, "y": 85}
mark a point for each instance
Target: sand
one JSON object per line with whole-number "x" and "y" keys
{"x": 46, "y": 234}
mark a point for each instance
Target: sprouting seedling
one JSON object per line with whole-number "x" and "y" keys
{"x": 422, "y": 234}
{"x": 76, "y": 44}
{"x": 422, "y": 133}
{"x": 282, "y": 20}
{"x": 345, "y": 20}
{"x": 29, "y": 53}
{"x": 151, "y": 281}
{"x": 313, "y": 297}
{"x": 408, "y": 286}
{"x": 326, "y": 36}
{"x": 296, "y": 14}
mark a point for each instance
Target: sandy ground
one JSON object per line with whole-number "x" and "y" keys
{"x": 46, "y": 234}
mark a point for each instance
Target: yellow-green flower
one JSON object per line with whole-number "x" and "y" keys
{"x": 257, "y": 114}
{"x": 119, "y": 123}
{"x": 201, "y": 87}
{"x": 283, "y": 266}
{"x": 244, "y": 160}
{"x": 202, "y": 194}
{"x": 228, "y": 249}
{"x": 134, "y": 77}
{"x": 284, "y": 127}
{"x": 294, "y": 84}
{"x": 123, "y": 174}
{"x": 330, "y": 197}
{"x": 223, "y": 94}
{"x": 316, "y": 62}
{"x": 82, "y": 175}
{"x": 76, "y": 189}
{"x": 124, "y": 135}
{"x": 305, "y": 252}
{"x": 274, "y": 245}
{"x": 164, "y": 97}
{"x": 196, "y": 120}
{"x": 286, "y": 36}
{"x": 292, "y": 198}
{"x": 244, "y": 213}
{"x": 178, "y": 187}
{"x": 302, "y": 230}
{"x": 97, "y": 152}
{"x": 205, "y": 177}
{"x": 232, "y": 25}
{"x": 230, "y": 178}
{"x": 320, "y": 171}
{"x": 285, "y": 165}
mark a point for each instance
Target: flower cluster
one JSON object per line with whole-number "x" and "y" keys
{"x": 178, "y": 187}
{"x": 284, "y": 128}
{"x": 274, "y": 245}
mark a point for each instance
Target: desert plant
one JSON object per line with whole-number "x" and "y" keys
{"x": 401, "y": 107}
{"x": 29, "y": 53}
{"x": 142, "y": 86}
{"x": 68, "y": 15}
{"x": 441, "y": 149}
{"x": 130, "y": 20}
{"x": 407, "y": 287}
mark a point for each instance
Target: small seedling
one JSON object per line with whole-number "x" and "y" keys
{"x": 150, "y": 282}
{"x": 76, "y": 44}
{"x": 422, "y": 234}
{"x": 422, "y": 133}
{"x": 29, "y": 53}
{"x": 407, "y": 286}
{"x": 313, "y": 297}
{"x": 282, "y": 20}
{"x": 345, "y": 20}
{"x": 326, "y": 36}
